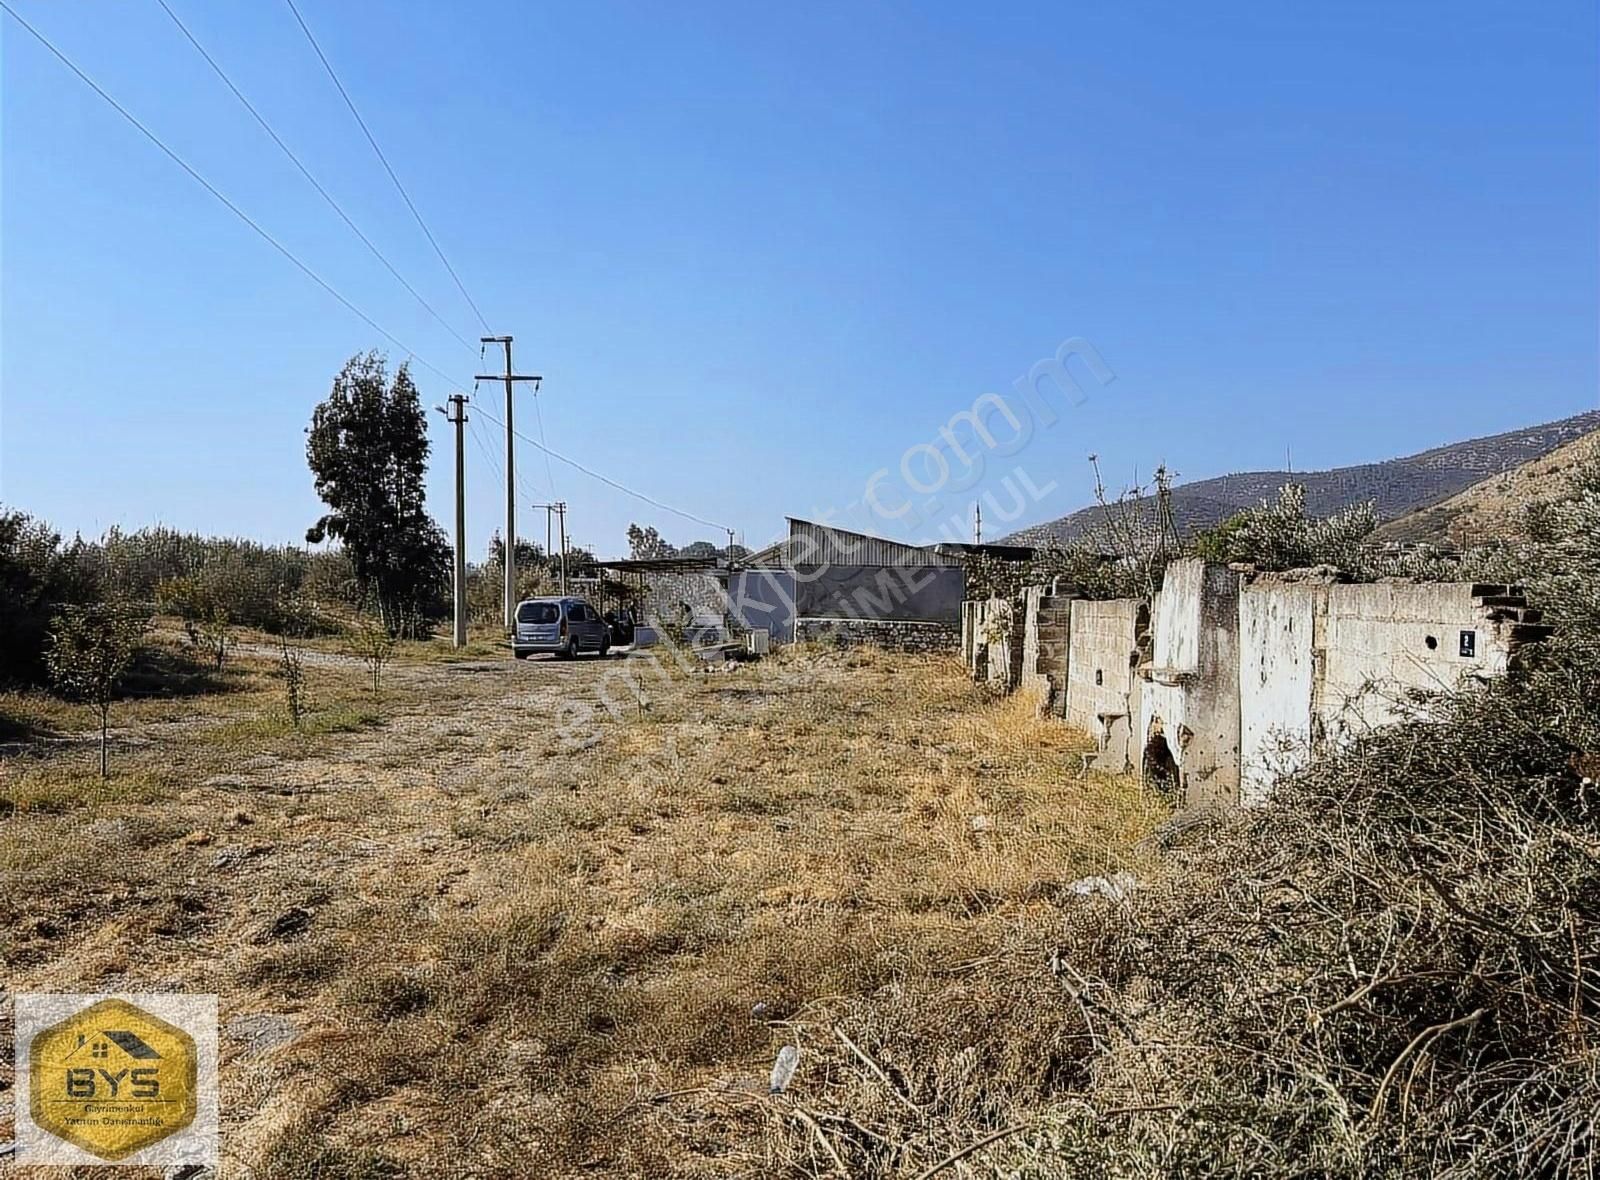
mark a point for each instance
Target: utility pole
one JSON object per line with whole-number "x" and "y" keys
{"x": 561, "y": 515}
{"x": 457, "y": 417}
{"x": 977, "y": 522}
{"x": 510, "y": 379}
{"x": 559, "y": 509}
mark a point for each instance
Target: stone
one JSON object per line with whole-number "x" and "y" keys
{"x": 261, "y": 1032}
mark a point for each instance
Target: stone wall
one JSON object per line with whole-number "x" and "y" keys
{"x": 692, "y": 599}
{"x": 894, "y": 634}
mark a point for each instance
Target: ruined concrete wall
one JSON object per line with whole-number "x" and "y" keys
{"x": 1382, "y": 640}
{"x": 1047, "y": 648}
{"x": 1189, "y": 701}
{"x": 1277, "y": 681}
{"x": 1102, "y": 651}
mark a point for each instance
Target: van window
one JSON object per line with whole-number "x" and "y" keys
{"x": 576, "y": 613}
{"x": 538, "y": 612}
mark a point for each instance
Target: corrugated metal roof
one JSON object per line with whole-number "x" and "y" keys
{"x": 819, "y": 544}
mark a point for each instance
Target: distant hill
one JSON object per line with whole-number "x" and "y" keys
{"x": 1493, "y": 509}
{"x": 1397, "y": 486}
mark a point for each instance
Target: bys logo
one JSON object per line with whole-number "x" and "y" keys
{"x": 112, "y": 1079}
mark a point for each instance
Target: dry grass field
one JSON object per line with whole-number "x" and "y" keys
{"x": 487, "y": 927}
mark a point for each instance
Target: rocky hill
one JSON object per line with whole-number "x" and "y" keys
{"x": 1398, "y": 487}
{"x": 1494, "y": 508}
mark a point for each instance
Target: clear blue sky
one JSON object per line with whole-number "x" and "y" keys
{"x": 759, "y": 254}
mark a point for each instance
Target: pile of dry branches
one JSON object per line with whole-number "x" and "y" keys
{"x": 1392, "y": 969}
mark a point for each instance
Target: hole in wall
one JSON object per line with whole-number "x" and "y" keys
{"x": 1433, "y": 642}
{"x": 1099, "y": 676}
{"x": 1160, "y": 767}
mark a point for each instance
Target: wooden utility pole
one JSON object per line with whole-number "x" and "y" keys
{"x": 510, "y": 379}
{"x": 457, "y": 417}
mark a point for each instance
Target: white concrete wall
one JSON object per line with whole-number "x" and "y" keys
{"x": 1277, "y": 673}
{"x": 1377, "y": 647}
{"x": 1176, "y": 614}
{"x": 1191, "y": 694}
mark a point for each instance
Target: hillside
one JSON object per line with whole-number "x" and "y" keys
{"x": 1493, "y": 509}
{"x": 1398, "y": 486}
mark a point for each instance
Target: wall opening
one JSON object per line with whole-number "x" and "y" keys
{"x": 1160, "y": 767}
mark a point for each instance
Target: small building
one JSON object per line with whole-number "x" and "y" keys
{"x": 822, "y": 582}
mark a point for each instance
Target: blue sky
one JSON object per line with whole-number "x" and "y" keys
{"x": 759, "y": 254}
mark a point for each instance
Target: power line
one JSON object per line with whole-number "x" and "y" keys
{"x": 215, "y": 192}
{"x": 306, "y": 172}
{"x": 549, "y": 475}
{"x": 406, "y": 197}
{"x": 607, "y": 480}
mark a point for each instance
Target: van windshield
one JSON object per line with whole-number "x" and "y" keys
{"x": 538, "y": 612}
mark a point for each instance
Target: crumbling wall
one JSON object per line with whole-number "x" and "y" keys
{"x": 1222, "y": 682}
{"x": 1189, "y": 703}
{"x": 1047, "y": 630}
{"x": 1384, "y": 640}
{"x": 1101, "y": 697}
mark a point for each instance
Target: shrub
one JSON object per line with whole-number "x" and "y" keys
{"x": 1278, "y": 535}
{"x": 89, "y": 650}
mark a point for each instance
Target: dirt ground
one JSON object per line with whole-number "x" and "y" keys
{"x": 546, "y": 918}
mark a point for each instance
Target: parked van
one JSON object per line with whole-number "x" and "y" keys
{"x": 562, "y": 626}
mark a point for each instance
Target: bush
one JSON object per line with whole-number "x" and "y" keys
{"x": 1278, "y": 535}
{"x": 37, "y": 579}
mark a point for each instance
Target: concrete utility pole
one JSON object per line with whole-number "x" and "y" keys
{"x": 457, "y": 417}
{"x": 977, "y": 522}
{"x": 559, "y": 510}
{"x": 510, "y": 379}
{"x": 561, "y": 515}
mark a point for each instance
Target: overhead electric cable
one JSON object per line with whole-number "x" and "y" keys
{"x": 605, "y": 479}
{"x": 215, "y": 192}
{"x": 306, "y": 172}
{"x": 384, "y": 160}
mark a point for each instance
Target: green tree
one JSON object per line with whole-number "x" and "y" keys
{"x": 646, "y": 542}
{"x": 1278, "y": 535}
{"x": 89, "y": 651}
{"x": 368, "y": 451}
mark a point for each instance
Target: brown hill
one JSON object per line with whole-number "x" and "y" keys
{"x": 1495, "y": 508}
{"x": 1397, "y": 487}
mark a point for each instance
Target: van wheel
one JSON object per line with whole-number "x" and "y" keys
{"x": 567, "y": 650}
{"x": 605, "y": 648}
{"x": 522, "y": 655}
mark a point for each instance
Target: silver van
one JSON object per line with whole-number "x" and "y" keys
{"x": 564, "y": 626}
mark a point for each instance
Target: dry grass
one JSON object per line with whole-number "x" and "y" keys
{"x": 539, "y": 945}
